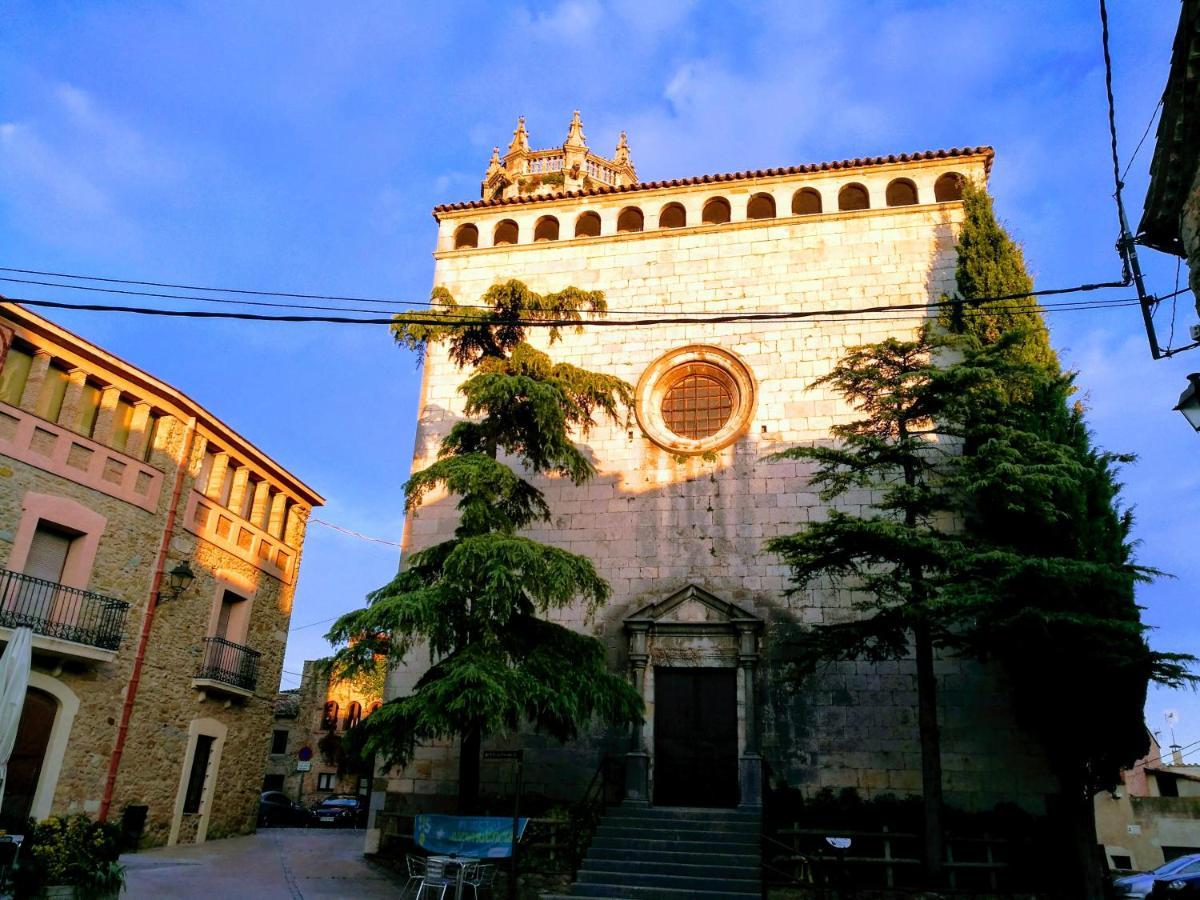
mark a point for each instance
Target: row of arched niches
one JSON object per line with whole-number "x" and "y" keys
{"x": 716, "y": 211}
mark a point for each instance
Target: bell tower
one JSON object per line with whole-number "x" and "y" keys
{"x": 523, "y": 172}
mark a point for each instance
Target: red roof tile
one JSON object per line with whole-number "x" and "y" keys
{"x": 857, "y": 163}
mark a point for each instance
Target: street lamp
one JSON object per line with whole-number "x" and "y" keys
{"x": 1189, "y": 401}
{"x": 178, "y": 581}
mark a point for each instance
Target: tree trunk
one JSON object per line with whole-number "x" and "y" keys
{"x": 931, "y": 754}
{"x": 468, "y": 772}
{"x": 1079, "y": 815}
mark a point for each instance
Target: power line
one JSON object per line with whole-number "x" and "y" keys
{"x": 869, "y": 313}
{"x": 1145, "y": 133}
{"x": 354, "y": 534}
{"x": 314, "y": 624}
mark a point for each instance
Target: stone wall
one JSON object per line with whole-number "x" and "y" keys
{"x": 654, "y": 522}
{"x": 1190, "y": 232}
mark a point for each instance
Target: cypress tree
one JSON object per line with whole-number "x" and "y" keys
{"x": 477, "y": 601}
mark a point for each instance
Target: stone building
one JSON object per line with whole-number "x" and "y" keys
{"x": 1153, "y": 816}
{"x": 685, "y": 497}
{"x": 149, "y": 689}
{"x": 317, "y": 715}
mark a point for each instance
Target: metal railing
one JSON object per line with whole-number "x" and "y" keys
{"x": 58, "y": 611}
{"x": 229, "y": 663}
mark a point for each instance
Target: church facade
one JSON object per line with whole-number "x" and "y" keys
{"x": 686, "y": 495}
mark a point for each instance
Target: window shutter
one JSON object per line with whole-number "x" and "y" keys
{"x": 47, "y": 554}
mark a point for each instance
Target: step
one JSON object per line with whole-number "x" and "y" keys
{"x": 683, "y": 812}
{"x": 613, "y": 842}
{"x": 629, "y": 823}
{"x": 671, "y": 882}
{"x": 633, "y": 892}
{"x": 670, "y": 833}
{"x": 603, "y": 857}
{"x": 744, "y": 868}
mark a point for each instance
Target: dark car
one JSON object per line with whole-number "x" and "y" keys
{"x": 1186, "y": 884}
{"x": 1140, "y": 885}
{"x": 341, "y": 810}
{"x": 276, "y": 808}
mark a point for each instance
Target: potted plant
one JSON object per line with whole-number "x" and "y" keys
{"x": 71, "y": 857}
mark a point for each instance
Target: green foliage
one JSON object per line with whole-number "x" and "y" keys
{"x": 71, "y": 850}
{"x": 477, "y": 601}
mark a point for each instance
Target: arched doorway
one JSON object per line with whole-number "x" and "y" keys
{"x": 28, "y": 756}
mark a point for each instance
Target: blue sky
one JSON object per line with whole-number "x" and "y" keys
{"x": 301, "y": 146}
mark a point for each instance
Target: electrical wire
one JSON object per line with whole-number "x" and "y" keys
{"x": 1145, "y": 134}
{"x": 353, "y": 534}
{"x": 1112, "y": 106}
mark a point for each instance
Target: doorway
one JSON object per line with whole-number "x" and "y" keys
{"x": 29, "y": 753}
{"x": 695, "y": 737}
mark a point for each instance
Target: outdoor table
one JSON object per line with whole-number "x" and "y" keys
{"x": 461, "y": 862}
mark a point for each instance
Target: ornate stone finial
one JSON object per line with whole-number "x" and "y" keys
{"x": 621, "y": 157}
{"x": 520, "y": 139}
{"x": 575, "y": 136}
{"x": 494, "y": 164}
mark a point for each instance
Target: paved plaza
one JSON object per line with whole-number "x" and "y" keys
{"x": 283, "y": 863}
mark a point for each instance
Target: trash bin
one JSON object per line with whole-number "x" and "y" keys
{"x": 133, "y": 823}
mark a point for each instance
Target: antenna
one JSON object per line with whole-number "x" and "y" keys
{"x": 1172, "y": 717}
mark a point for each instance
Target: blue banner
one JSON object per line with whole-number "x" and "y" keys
{"x": 481, "y": 837}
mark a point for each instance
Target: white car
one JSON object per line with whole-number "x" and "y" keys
{"x": 1141, "y": 885}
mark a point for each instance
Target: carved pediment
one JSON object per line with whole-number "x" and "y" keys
{"x": 691, "y": 608}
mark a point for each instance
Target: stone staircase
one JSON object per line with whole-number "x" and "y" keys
{"x": 671, "y": 853}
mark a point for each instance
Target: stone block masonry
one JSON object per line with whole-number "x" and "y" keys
{"x": 655, "y": 521}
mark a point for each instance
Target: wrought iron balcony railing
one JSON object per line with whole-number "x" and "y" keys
{"x": 58, "y": 611}
{"x": 229, "y": 663}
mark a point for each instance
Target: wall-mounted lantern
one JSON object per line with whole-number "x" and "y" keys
{"x": 179, "y": 579}
{"x": 1189, "y": 401}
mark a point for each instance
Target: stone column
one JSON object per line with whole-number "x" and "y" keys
{"x": 216, "y": 476}
{"x": 277, "y": 516}
{"x": 71, "y": 414}
{"x": 258, "y": 506}
{"x": 106, "y": 417}
{"x": 637, "y": 760}
{"x": 139, "y": 430}
{"x": 237, "y": 493}
{"x": 38, "y": 370}
{"x": 750, "y": 779}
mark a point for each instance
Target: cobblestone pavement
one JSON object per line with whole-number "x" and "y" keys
{"x": 283, "y": 863}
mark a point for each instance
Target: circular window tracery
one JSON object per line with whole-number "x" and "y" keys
{"x": 695, "y": 399}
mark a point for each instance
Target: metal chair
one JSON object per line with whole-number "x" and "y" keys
{"x": 416, "y": 874}
{"x": 479, "y": 877}
{"x": 437, "y": 878}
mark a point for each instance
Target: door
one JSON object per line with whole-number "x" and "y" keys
{"x": 29, "y": 752}
{"x": 695, "y": 737}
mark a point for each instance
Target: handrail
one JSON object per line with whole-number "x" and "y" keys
{"x": 58, "y": 611}
{"x": 229, "y": 663}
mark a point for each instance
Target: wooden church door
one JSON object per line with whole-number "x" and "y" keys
{"x": 695, "y": 737}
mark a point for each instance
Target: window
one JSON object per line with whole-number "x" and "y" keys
{"x": 716, "y": 211}
{"x": 761, "y": 206}
{"x": 1123, "y": 863}
{"x": 806, "y": 202}
{"x": 901, "y": 192}
{"x": 374, "y": 706}
{"x": 48, "y": 552}
{"x": 852, "y": 197}
{"x": 353, "y": 715}
{"x": 273, "y": 782}
{"x": 699, "y": 403}
{"x": 588, "y": 225}
{"x": 231, "y": 618}
{"x": 506, "y": 233}
{"x": 329, "y": 718}
{"x": 546, "y": 229}
{"x": 199, "y": 774}
{"x": 279, "y": 738}
{"x": 948, "y": 187}
{"x": 1168, "y": 785}
{"x": 54, "y": 388}
{"x": 672, "y": 216}
{"x": 325, "y": 781}
{"x": 14, "y": 375}
{"x": 466, "y": 237}
{"x": 630, "y": 219}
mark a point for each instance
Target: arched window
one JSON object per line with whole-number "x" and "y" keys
{"x": 672, "y": 216}
{"x": 901, "y": 192}
{"x": 466, "y": 236}
{"x": 716, "y": 211}
{"x": 853, "y": 196}
{"x": 761, "y": 206}
{"x": 806, "y": 202}
{"x": 329, "y": 719}
{"x": 506, "y": 233}
{"x": 546, "y": 229}
{"x": 374, "y": 706}
{"x": 587, "y": 225}
{"x": 353, "y": 715}
{"x": 948, "y": 187}
{"x": 630, "y": 219}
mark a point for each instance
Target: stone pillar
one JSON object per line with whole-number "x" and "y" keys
{"x": 139, "y": 430}
{"x": 297, "y": 522}
{"x": 106, "y": 417}
{"x": 258, "y": 506}
{"x": 71, "y": 414}
{"x": 750, "y": 767}
{"x": 637, "y": 760}
{"x": 277, "y": 518}
{"x": 237, "y": 493}
{"x": 216, "y": 477}
{"x": 33, "y": 384}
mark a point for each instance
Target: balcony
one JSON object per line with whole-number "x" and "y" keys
{"x": 66, "y": 621}
{"x": 228, "y": 669}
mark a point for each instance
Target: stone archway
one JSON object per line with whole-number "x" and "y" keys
{"x": 694, "y": 630}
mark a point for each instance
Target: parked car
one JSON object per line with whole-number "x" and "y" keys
{"x": 1185, "y": 884}
{"x": 276, "y": 808}
{"x": 1140, "y": 885}
{"x": 341, "y": 810}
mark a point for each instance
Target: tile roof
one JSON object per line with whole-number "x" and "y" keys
{"x": 857, "y": 163}
{"x": 1177, "y": 145}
